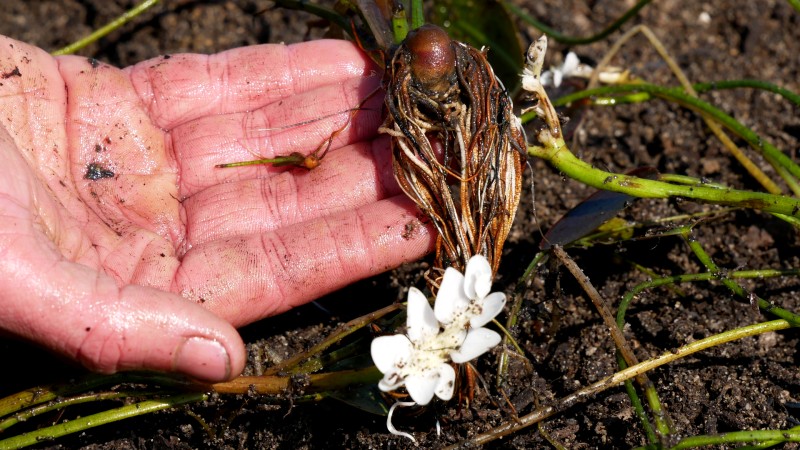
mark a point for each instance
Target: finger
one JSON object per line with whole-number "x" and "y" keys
{"x": 304, "y": 123}
{"x": 82, "y": 314}
{"x": 243, "y": 279}
{"x": 181, "y": 88}
{"x": 349, "y": 178}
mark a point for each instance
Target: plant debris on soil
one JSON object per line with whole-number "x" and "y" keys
{"x": 749, "y": 384}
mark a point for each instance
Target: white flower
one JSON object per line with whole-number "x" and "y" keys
{"x": 450, "y": 332}
{"x": 418, "y": 359}
{"x": 571, "y": 67}
{"x": 464, "y": 303}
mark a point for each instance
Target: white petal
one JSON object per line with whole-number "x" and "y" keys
{"x": 477, "y": 277}
{"x": 557, "y": 77}
{"x": 387, "y": 351}
{"x": 390, "y": 382}
{"x": 546, "y": 78}
{"x": 446, "y": 382}
{"x": 477, "y": 342}
{"x": 570, "y": 64}
{"x": 490, "y": 307}
{"x": 421, "y": 322}
{"x": 450, "y": 299}
{"x": 421, "y": 387}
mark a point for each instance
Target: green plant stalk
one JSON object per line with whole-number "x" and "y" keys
{"x": 772, "y": 437}
{"x": 417, "y": 14}
{"x": 59, "y": 404}
{"x": 558, "y": 155}
{"x": 614, "y": 380}
{"x": 712, "y": 268}
{"x": 651, "y": 394}
{"x": 709, "y": 276}
{"x": 105, "y": 30}
{"x": 573, "y": 40}
{"x": 278, "y": 161}
{"x": 638, "y": 407}
{"x": 527, "y": 275}
{"x": 639, "y": 97}
{"x": 623, "y": 349}
{"x": 765, "y": 444}
{"x": 399, "y": 26}
{"x": 773, "y": 155}
{"x": 792, "y": 182}
{"x": 38, "y": 395}
{"x": 513, "y": 316}
{"x": 665, "y": 281}
{"x": 102, "y": 418}
{"x": 754, "y": 84}
{"x": 790, "y": 317}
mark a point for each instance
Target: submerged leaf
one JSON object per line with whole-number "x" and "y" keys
{"x": 591, "y": 213}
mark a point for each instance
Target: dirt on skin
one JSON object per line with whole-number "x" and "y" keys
{"x": 750, "y": 384}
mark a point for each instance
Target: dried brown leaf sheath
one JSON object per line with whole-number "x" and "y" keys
{"x": 456, "y": 142}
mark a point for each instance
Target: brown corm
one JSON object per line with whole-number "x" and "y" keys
{"x": 457, "y": 145}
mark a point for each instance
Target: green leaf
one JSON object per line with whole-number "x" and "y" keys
{"x": 365, "y": 398}
{"x": 484, "y": 23}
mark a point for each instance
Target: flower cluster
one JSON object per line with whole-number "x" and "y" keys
{"x": 574, "y": 68}
{"x": 571, "y": 67}
{"x": 452, "y": 331}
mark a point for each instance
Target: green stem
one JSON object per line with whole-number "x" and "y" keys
{"x": 102, "y": 418}
{"x": 754, "y": 84}
{"x": 773, "y": 437}
{"x": 52, "y": 406}
{"x": 712, "y": 268}
{"x": 770, "y": 152}
{"x": 790, "y": 317}
{"x": 574, "y": 40}
{"x": 42, "y": 394}
{"x": 417, "y": 15}
{"x": 614, "y": 380}
{"x": 563, "y": 160}
{"x": 105, "y": 30}
{"x": 399, "y": 26}
{"x": 636, "y": 402}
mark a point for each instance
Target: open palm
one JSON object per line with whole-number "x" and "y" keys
{"x": 115, "y": 224}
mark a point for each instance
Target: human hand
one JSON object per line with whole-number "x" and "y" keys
{"x": 116, "y": 226}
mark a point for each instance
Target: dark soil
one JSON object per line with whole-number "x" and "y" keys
{"x": 749, "y": 384}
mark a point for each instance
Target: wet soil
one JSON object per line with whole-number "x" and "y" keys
{"x": 749, "y": 384}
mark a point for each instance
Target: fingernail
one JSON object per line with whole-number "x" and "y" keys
{"x": 202, "y": 358}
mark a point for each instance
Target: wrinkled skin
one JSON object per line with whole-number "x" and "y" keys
{"x": 123, "y": 247}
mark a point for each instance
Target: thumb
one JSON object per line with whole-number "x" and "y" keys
{"x": 84, "y": 315}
